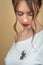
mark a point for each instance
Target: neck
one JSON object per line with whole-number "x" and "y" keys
{"x": 27, "y": 31}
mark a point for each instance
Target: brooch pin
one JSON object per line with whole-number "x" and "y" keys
{"x": 22, "y": 54}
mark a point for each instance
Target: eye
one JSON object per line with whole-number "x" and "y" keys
{"x": 30, "y": 13}
{"x": 19, "y": 13}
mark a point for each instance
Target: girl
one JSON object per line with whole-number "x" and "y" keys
{"x": 28, "y": 46}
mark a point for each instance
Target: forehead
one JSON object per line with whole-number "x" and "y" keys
{"x": 22, "y": 6}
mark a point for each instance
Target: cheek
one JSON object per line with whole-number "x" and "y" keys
{"x": 30, "y": 19}
{"x": 19, "y": 18}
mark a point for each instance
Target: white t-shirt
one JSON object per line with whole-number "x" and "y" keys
{"x": 25, "y": 52}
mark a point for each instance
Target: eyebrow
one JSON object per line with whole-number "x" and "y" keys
{"x": 19, "y": 11}
{"x": 23, "y": 12}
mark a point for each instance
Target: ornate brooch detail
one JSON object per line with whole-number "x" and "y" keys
{"x": 23, "y": 54}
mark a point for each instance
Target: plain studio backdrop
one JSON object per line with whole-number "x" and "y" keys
{"x": 7, "y": 33}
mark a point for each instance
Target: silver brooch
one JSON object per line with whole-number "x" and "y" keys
{"x": 23, "y": 54}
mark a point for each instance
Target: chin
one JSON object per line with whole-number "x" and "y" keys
{"x": 28, "y": 28}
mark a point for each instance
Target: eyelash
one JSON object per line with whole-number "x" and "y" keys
{"x": 20, "y": 14}
{"x": 30, "y": 14}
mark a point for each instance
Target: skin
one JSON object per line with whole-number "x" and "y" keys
{"x": 24, "y": 15}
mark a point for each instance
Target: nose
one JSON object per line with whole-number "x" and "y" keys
{"x": 25, "y": 18}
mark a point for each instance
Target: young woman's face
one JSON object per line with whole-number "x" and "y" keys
{"x": 24, "y": 15}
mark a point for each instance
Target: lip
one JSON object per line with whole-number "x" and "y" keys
{"x": 26, "y": 24}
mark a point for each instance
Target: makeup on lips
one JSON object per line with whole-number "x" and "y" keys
{"x": 26, "y": 24}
